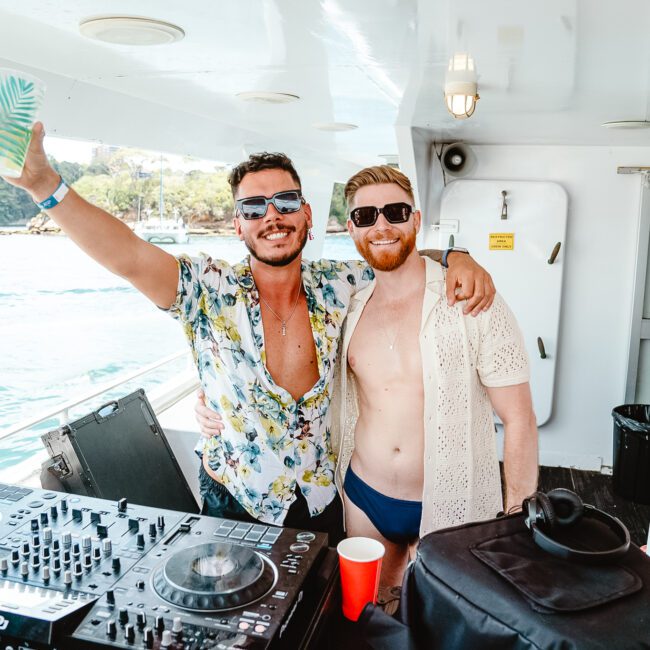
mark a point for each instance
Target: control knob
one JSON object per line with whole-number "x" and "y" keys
{"x": 107, "y": 546}
{"x": 123, "y": 616}
{"x": 34, "y": 524}
{"x": 66, "y": 538}
{"x": 54, "y": 513}
{"x": 110, "y": 597}
{"x": 15, "y": 556}
{"x": 67, "y": 578}
{"x": 140, "y": 541}
{"x": 166, "y": 639}
{"x": 116, "y": 565}
{"x": 160, "y": 623}
{"x": 25, "y": 549}
{"x": 46, "y": 574}
{"x": 141, "y": 620}
{"x": 46, "y": 554}
{"x": 4, "y": 565}
{"x": 129, "y": 632}
{"x": 97, "y": 554}
{"x": 122, "y": 505}
{"x": 76, "y": 551}
{"x": 64, "y": 505}
{"x": 24, "y": 569}
{"x": 111, "y": 629}
{"x": 86, "y": 542}
{"x": 148, "y": 637}
{"x": 44, "y": 518}
{"x": 77, "y": 570}
{"x": 177, "y": 625}
{"x": 56, "y": 566}
{"x": 161, "y": 522}
{"x": 47, "y": 535}
{"x": 152, "y": 530}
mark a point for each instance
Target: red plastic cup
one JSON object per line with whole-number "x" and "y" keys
{"x": 360, "y": 564}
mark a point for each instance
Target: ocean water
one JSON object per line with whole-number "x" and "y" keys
{"x": 67, "y": 325}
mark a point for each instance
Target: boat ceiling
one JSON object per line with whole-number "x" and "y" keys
{"x": 549, "y": 72}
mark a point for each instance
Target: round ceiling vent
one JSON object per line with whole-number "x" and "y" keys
{"x": 130, "y": 30}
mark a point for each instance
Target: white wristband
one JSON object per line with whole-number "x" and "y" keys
{"x": 57, "y": 196}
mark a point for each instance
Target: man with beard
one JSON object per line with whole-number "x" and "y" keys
{"x": 264, "y": 334}
{"x": 419, "y": 381}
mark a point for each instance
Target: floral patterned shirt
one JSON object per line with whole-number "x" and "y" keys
{"x": 271, "y": 443}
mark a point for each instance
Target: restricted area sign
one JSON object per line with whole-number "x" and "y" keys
{"x": 502, "y": 241}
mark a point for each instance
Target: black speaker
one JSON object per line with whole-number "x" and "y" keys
{"x": 457, "y": 159}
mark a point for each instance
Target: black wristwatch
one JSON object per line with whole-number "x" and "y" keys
{"x": 453, "y": 249}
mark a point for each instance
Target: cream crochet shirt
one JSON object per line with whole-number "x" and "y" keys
{"x": 461, "y": 355}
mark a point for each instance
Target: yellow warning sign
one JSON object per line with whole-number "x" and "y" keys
{"x": 502, "y": 241}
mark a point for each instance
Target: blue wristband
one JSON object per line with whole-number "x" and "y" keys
{"x": 56, "y": 197}
{"x": 453, "y": 249}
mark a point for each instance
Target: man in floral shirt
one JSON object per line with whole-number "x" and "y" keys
{"x": 264, "y": 334}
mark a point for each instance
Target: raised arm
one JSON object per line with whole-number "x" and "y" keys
{"x": 105, "y": 238}
{"x": 513, "y": 404}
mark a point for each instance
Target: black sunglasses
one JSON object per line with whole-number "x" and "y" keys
{"x": 255, "y": 207}
{"x": 393, "y": 212}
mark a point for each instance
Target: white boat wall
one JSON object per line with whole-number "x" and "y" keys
{"x": 549, "y": 75}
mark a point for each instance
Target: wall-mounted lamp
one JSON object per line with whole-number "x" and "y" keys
{"x": 460, "y": 86}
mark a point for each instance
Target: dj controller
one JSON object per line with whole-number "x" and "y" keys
{"x": 81, "y": 572}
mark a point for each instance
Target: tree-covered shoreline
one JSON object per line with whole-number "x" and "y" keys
{"x": 126, "y": 183}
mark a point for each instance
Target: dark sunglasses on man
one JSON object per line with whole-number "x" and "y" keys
{"x": 367, "y": 215}
{"x": 255, "y": 207}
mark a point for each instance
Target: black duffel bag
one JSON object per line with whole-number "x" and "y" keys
{"x": 489, "y": 585}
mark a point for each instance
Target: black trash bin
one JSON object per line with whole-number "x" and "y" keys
{"x": 631, "y": 471}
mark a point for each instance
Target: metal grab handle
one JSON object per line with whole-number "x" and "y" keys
{"x": 504, "y": 207}
{"x": 554, "y": 252}
{"x": 540, "y": 345}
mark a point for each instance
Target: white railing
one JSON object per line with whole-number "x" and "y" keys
{"x": 62, "y": 411}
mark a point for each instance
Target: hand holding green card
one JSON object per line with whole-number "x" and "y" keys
{"x": 21, "y": 96}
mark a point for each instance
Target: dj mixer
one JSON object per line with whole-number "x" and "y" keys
{"x": 82, "y": 572}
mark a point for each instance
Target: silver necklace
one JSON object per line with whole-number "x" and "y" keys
{"x": 284, "y": 321}
{"x": 384, "y": 329}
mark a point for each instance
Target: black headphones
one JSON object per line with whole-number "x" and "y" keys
{"x": 562, "y": 507}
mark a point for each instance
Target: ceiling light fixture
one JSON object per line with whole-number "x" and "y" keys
{"x": 265, "y": 97}
{"x": 461, "y": 87}
{"x": 130, "y": 30}
{"x": 334, "y": 126}
{"x": 627, "y": 124}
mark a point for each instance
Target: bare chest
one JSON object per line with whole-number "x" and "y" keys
{"x": 385, "y": 347}
{"x": 290, "y": 352}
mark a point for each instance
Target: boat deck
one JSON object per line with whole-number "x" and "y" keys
{"x": 596, "y": 489}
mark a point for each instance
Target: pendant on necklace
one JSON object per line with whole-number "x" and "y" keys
{"x": 390, "y": 346}
{"x": 284, "y": 328}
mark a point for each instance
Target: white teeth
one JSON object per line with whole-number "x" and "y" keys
{"x": 383, "y": 242}
{"x": 276, "y": 235}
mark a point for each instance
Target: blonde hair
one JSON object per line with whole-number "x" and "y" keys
{"x": 375, "y": 176}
